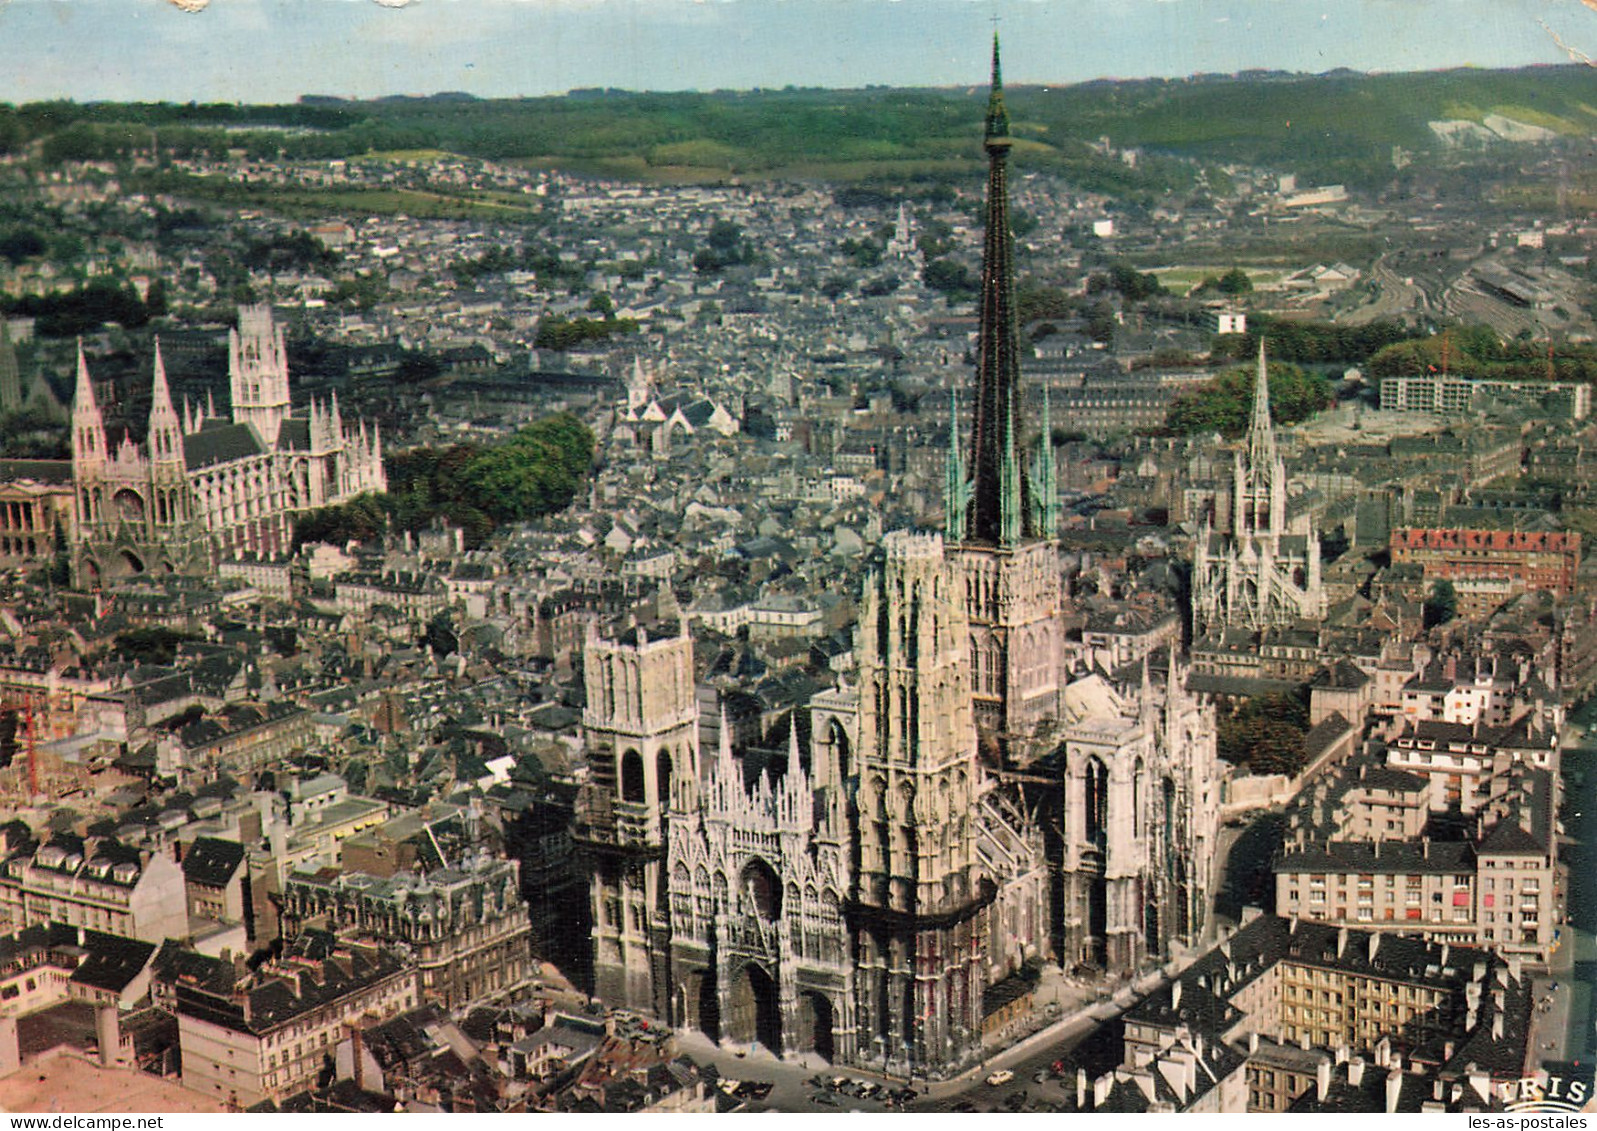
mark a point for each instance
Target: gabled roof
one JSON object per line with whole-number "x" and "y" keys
{"x": 112, "y": 961}
{"x": 220, "y": 443}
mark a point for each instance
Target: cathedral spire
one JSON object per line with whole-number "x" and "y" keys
{"x": 997, "y": 112}
{"x": 1000, "y": 509}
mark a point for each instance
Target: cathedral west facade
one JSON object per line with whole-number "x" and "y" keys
{"x": 863, "y": 897}
{"x": 856, "y": 900}
{"x": 202, "y": 488}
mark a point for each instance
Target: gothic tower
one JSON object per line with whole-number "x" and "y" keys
{"x": 257, "y": 371}
{"x": 1002, "y": 516}
{"x": 164, "y": 445}
{"x": 1261, "y": 575}
{"x": 89, "y": 458}
{"x": 919, "y": 886}
{"x": 642, "y": 724}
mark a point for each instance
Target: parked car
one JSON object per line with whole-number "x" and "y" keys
{"x": 1001, "y": 1077}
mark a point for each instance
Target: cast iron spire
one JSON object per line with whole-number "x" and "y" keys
{"x": 1000, "y": 510}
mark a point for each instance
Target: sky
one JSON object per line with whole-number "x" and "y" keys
{"x": 277, "y": 50}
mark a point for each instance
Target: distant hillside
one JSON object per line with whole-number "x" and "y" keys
{"x": 1335, "y": 127}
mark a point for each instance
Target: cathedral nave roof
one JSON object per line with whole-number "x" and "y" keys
{"x": 220, "y": 443}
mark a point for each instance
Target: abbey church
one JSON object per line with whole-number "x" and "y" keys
{"x": 966, "y": 807}
{"x": 200, "y": 487}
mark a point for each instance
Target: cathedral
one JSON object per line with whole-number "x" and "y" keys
{"x": 202, "y": 488}
{"x": 857, "y": 900}
{"x": 1259, "y": 575}
{"x": 872, "y": 896}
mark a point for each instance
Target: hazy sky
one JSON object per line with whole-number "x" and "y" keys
{"x": 276, "y": 50}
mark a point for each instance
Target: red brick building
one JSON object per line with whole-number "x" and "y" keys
{"x": 1487, "y": 567}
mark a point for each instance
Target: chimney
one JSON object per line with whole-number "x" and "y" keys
{"x": 1341, "y": 941}
{"x": 1175, "y": 994}
{"x": 1081, "y": 1089}
{"x": 1497, "y": 1025}
{"x": 358, "y": 1054}
{"x": 1253, "y": 1042}
{"x": 1425, "y": 847}
{"x": 1447, "y": 1053}
{"x": 1100, "y": 1089}
{"x": 1383, "y": 1052}
{"x": 1375, "y": 943}
{"x": 1394, "y": 1089}
{"x": 1322, "y": 1080}
{"x": 1355, "y": 1071}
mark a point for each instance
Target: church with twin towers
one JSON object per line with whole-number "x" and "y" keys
{"x": 966, "y": 808}
{"x": 202, "y": 487}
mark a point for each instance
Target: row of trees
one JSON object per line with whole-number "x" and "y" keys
{"x": 65, "y": 314}
{"x": 477, "y": 487}
{"x": 1477, "y": 351}
{"x": 1311, "y": 343}
{"x": 562, "y": 334}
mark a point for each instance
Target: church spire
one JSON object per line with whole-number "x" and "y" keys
{"x": 164, "y": 437}
{"x": 88, "y": 426}
{"x": 1261, "y": 397}
{"x": 1000, "y": 509}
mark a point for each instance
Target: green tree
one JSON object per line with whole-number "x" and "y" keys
{"x": 1441, "y": 604}
{"x": 155, "y": 645}
{"x": 950, "y": 277}
{"x": 1134, "y": 285}
{"x": 1102, "y": 323}
{"x": 1267, "y": 735}
{"x": 1235, "y": 282}
{"x": 1225, "y": 404}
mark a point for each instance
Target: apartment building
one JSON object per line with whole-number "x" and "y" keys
{"x": 247, "y": 1036}
{"x": 97, "y": 883}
